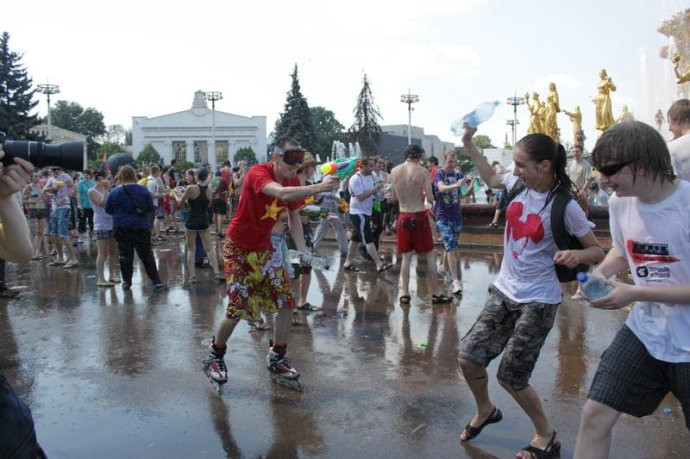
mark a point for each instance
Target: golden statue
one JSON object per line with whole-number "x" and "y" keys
{"x": 625, "y": 115}
{"x": 576, "y": 119}
{"x": 551, "y": 110}
{"x": 603, "y": 108}
{"x": 536, "y": 112}
{"x": 682, "y": 77}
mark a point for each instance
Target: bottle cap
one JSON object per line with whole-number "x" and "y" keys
{"x": 582, "y": 277}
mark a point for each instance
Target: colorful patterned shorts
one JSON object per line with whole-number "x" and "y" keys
{"x": 255, "y": 281}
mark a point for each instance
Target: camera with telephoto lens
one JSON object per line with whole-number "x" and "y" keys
{"x": 68, "y": 155}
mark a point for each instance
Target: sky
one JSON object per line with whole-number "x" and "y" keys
{"x": 147, "y": 58}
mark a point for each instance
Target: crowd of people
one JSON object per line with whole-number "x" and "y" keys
{"x": 272, "y": 207}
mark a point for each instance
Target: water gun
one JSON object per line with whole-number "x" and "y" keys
{"x": 309, "y": 200}
{"x": 341, "y": 167}
{"x": 59, "y": 184}
{"x": 177, "y": 191}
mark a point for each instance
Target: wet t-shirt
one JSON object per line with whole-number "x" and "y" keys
{"x": 447, "y": 204}
{"x": 527, "y": 272}
{"x": 257, "y": 212}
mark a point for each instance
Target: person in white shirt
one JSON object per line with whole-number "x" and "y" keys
{"x": 523, "y": 300}
{"x": 156, "y": 187}
{"x": 679, "y": 147}
{"x": 649, "y": 220}
{"x": 363, "y": 186}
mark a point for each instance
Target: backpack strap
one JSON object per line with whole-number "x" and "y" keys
{"x": 564, "y": 240}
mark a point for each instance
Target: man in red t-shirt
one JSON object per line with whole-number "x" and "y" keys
{"x": 254, "y": 272}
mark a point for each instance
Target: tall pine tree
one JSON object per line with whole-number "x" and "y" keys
{"x": 16, "y": 94}
{"x": 295, "y": 121}
{"x": 366, "y": 129}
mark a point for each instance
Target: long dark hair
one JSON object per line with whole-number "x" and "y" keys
{"x": 540, "y": 147}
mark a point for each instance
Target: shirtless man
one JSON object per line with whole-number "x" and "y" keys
{"x": 411, "y": 182}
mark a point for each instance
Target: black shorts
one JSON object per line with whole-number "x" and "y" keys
{"x": 219, "y": 206}
{"x": 631, "y": 381}
{"x": 361, "y": 228}
{"x": 38, "y": 214}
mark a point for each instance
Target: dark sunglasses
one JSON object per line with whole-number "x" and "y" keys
{"x": 612, "y": 169}
{"x": 291, "y": 156}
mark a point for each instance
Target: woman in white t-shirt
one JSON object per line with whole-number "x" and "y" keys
{"x": 524, "y": 298}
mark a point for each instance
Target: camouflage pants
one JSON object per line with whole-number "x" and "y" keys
{"x": 516, "y": 329}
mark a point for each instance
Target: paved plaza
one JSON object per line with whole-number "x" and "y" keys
{"x": 115, "y": 374}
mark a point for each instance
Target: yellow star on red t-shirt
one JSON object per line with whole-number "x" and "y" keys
{"x": 273, "y": 210}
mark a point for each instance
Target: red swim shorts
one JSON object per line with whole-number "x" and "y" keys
{"x": 414, "y": 232}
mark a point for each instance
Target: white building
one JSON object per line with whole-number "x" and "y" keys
{"x": 188, "y": 135}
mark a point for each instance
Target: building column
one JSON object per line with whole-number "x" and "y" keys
{"x": 190, "y": 150}
{"x": 211, "y": 149}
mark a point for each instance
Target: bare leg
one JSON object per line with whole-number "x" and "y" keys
{"x": 405, "y": 274}
{"x": 371, "y": 250}
{"x": 351, "y": 250}
{"x": 210, "y": 250}
{"x": 112, "y": 260}
{"x": 191, "y": 253}
{"x": 432, "y": 273}
{"x": 102, "y": 246}
{"x": 224, "y": 331}
{"x": 594, "y": 436}
{"x": 57, "y": 242}
{"x": 304, "y": 282}
{"x": 67, "y": 241}
{"x": 529, "y": 401}
{"x": 478, "y": 382}
{"x": 282, "y": 326}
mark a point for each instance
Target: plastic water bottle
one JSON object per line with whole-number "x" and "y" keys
{"x": 593, "y": 287}
{"x": 483, "y": 112}
{"x": 296, "y": 257}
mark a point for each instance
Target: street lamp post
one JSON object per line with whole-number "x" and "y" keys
{"x": 409, "y": 99}
{"x": 515, "y": 101}
{"x": 213, "y": 96}
{"x": 48, "y": 89}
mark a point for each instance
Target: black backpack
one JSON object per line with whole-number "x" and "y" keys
{"x": 563, "y": 240}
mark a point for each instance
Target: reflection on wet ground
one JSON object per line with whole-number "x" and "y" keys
{"x": 118, "y": 374}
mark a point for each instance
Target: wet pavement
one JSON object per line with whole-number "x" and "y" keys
{"x": 117, "y": 374}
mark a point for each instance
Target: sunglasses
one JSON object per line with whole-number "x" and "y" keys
{"x": 291, "y": 156}
{"x": 612, "y": 169}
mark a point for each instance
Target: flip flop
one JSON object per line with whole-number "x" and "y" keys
{"x": 441, "y": 299}
{"x": 494, "y": 417}
{"x": 352, "y": 268}
{"x": 384, "y": 267}
{"x": 308, "y": 307}
{"x": 296, "y": 321}
{"x": 405, "y": 299}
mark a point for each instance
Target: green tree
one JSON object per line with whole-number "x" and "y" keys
{"x": 482, "y": 141}
{"x": 326, "y": 130}
{"x": 16, "y": 94}
{"x": 295, "y": 121}
{"x": 89, "y": 122}
{"x": 366, "y": 129}
{"x": 149, "y": 155}
{"x": 246, "y": 154}
{"x": 183, "y": 166}
{"x": 108, "y": 148}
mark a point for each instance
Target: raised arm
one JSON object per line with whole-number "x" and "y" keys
{"x": 295, "y": 193}
{"x": 487, "y": 172}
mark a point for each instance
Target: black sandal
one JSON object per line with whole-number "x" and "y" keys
{"x": 441, "y": 299}
{"x": 308, "y": 307}
{"x": 352, "y": 268}
{"x": 405, "y": 299}
{"x": 552, "y": 450}
{"x": 472, "y": 432}
{"x": 384, "y": 267}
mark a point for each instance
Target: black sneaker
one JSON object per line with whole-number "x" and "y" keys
{"x": 126, "y": 285}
